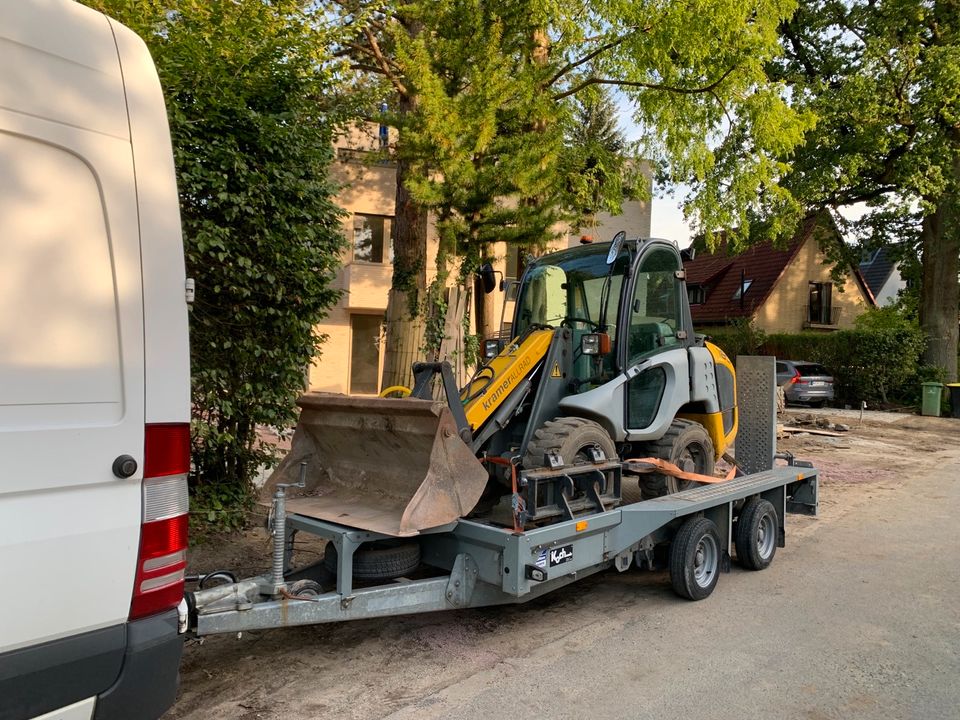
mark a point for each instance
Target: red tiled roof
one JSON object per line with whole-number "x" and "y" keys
{"x": 720, "y": 274}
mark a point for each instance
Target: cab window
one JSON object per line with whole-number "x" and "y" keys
{"x": 655, "y": 306}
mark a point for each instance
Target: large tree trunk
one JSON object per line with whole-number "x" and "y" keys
{"x": 939, "y": 290}
{"x": 404, "y": 321}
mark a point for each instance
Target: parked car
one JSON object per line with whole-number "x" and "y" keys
{"x": 804, "y": 382}
{"x": 94, "y": 373}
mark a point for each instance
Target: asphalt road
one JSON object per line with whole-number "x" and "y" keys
{"x": 858, "y": 617}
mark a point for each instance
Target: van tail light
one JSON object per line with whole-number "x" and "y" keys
{"x": 162, "y": 559}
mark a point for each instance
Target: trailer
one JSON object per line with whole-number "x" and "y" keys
{"x": 473, "y": 563}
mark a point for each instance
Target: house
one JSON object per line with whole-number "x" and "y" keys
{"x": 351, "y": 359}
{"x": 780, "y": 289}
{"x": 882, "y": 275}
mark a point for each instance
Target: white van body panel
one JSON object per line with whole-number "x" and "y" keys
{"x": 78, "y": 196}
{"x": 166, "y": 345}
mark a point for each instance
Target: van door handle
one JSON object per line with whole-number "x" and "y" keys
{"x": 124, "y": 466}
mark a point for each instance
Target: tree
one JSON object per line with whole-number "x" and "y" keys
{"x": 686, "y": 69}
{"x": 252, "y": 135}
{"x": 883, "y": 78}
{"x": 601, "y": 167}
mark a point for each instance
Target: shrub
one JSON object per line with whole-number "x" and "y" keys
{"x": 878, "y": 360}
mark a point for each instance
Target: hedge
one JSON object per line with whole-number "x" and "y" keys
{"x": 873, "y": 362}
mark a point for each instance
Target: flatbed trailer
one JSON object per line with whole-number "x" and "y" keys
{"x": 480, "y": 564}
{"x": 477, "y": 562}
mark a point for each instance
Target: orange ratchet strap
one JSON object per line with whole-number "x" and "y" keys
{"x": 649, "y": 465}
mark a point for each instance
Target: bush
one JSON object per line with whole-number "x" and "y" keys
{"x": 877, "y": 361}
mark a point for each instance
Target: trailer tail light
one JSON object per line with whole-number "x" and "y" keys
{"x": 163, "y": 533}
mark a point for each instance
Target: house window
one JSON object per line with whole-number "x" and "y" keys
{"x": 697, "y": 294}
{"x": 512, "y": 263}
{"x": 820, "y": 307}
{"x": 371, "y": 239}
{"x": 365, "y": 354}
{"x": 742, "y": 289}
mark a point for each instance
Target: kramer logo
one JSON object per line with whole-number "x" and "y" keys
{"x": 560, "y": 555}
{"x": 502, "y": 389}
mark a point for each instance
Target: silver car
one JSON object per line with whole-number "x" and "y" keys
{"x": 804, "y": 382}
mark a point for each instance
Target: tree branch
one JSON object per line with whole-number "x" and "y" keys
{"x": 648, "y": 86}
{"x": 383, "y": 63}
{"x": 573, "y": 64}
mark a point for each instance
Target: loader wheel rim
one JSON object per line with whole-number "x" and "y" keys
{"x": 766, "y": 537}
{"x": 705, "y": 561}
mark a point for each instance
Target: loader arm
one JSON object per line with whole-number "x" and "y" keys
{"x": 503, "y": 376}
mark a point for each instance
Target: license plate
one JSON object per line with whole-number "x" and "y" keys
{"x": 817, "y": 383}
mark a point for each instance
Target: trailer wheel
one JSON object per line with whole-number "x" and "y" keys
{"x": 756, "y": 538}
{"x": 688, "y": 446}
{"x": 569, "y": 437}
{"x": 381, "y": 560}
{"x": 305, "y": 589}
{"x": 695, "y": 559}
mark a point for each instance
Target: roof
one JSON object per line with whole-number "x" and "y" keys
{"x": 877, "y": 270}
{"x": 762, "y": 264}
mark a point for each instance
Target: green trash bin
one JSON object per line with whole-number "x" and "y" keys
{"x": 930, "y": 405}
{"x": 954, "y": 390}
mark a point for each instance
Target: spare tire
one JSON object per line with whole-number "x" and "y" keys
{"x": 379, "y": 560}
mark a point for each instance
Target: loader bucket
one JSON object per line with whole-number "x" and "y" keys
{"x": 391, "y": 465}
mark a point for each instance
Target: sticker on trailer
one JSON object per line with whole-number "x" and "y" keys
{"x": 542, "y": 559}
{"x": 560, "y": 555}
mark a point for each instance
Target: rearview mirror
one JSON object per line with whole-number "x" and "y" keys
{"x": 488, "y": 278}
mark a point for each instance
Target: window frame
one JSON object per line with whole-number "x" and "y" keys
{"x": 386, "y": 248}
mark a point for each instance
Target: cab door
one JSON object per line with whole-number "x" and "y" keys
{"x": 654, "y": 342}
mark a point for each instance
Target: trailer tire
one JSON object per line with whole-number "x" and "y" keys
{"x": 695, "y": 559}
{"x": 756, "y": 536}
{"x": 384, "y": 560}
{"x": 567, "y": 437}
{"x": 687, "y": 445}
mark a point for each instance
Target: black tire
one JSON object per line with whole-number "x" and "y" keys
{"x": 687, "y": 445}
{"x": 384, "y": 560}
{"x": 695, "y": 559}
{"x": 569, "y": 437}
{"x": 756, "y": 534}
{"x": 305, "y": 589}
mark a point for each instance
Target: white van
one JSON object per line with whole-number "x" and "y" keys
{"x": 94, "y": 372}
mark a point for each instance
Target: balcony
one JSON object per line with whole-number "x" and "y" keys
{"x": 821, "y": 318}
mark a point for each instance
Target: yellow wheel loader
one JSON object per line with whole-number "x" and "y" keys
{"x": 603, "y": 364}
{"x": 514, "y": 485}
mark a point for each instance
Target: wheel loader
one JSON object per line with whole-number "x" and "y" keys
{"x": 603, "y": 364}
{"x": 565, "y": 455}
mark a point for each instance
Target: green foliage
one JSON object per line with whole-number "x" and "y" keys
{"x": 244, "y": 84}
{"x": 877, "y": 361}
{"x": 740, "y": 337}
{"x": 883, "y": 79}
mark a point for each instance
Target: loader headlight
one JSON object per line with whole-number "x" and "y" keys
{"x": 595, "y": 344}
{"x": 491, "y": 348}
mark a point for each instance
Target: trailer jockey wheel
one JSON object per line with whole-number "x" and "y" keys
{"x": 695, "y": 559}
{"x": 688, "y": 446}
{"x": 756, "y": 534}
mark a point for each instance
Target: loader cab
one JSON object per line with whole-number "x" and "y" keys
{"x": 637, "y": 300}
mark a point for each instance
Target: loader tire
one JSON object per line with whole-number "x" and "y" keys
{"x": 569, "y": 437}
{"x": 378, "y": 561}
{"x": 687, "y": 445}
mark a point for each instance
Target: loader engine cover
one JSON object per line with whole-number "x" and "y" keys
{"x": 390, "y": 465}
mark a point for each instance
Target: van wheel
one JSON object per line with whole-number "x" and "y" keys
{"x": 756, "y": 538}
{"x": 695, "y": 559}
{"x": 688, "y": 446}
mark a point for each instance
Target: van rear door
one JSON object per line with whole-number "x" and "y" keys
{"x": 71, "y": 328}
